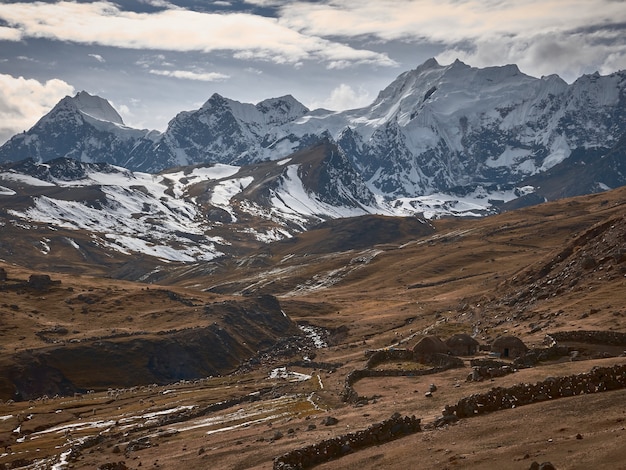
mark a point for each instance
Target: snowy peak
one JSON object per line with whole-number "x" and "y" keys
{"x": 94, "y": 107}
{"x": 272, "y": 111}
{"x": 84, "y": 128}
{"x": 97, "y": 108}
{"x": 278, "y": 111}
{"x": 215, "y": 101}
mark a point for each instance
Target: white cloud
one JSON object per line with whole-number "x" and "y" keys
{"x": 614, "y": 61}
{"x": 448, "y": 21}
{"x": 176, "y": 29}
{"x": 9, "y": 34}
{"x": 23, "y": 101}
{"x": 542, "y": 36}
{"x": 123, "y": 109}
{"x": 187, "y": 75}
{"x": 569, "y": 56}
{"x": 344, "y": 97}
{"x": 98, "y": 57}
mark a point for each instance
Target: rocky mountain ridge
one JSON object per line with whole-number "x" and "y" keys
{"x": 433, "y": 129}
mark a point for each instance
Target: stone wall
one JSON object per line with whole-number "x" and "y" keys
{"x": 329, "y": 449}
{"x": 599, "y": 379}
{"x": 386, "y": 355}
{"x": 614, "y": 338}
{"x": 483, "y": 369}
{"x": 349, "y": 394}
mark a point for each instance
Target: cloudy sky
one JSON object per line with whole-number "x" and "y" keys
{"x": 154, "y": 58}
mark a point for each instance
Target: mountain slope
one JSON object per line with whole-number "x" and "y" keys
{"x": 182, "y": 215}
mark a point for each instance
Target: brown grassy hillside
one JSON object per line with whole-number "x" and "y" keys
{"x": 554, "y": 267}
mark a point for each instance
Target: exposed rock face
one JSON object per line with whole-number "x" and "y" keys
{"x": 247, "y": 327}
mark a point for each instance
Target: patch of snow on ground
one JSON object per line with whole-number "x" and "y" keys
{"x": 314, "y": 334}
{"x": 45, "y": 248}
{"x": 253, "y": 413}
{"x": 227, "y": 189}
{"x": 73, "y": 243}
{"x": 6, "y": 191}
{"x": 181, "y": 180}
{"x": 27, "y": 179}
{"x": 76, "y": 427}
{"x": 283, "y": 373}
{"x": 293, "y": 199}
{"x": 63, "y": 460}
{"x": 138, "y": 215}
{"x": 476, "y": 204}
{"x": 508, "y": 158}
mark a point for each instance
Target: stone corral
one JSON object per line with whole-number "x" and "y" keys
{"x": 599, "y": 379}
{"x": 385, "y": 355}
{"x": 351, "y": 396}
{"x": 329, "y": 449}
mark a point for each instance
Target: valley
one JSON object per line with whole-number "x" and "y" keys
{"x": 189, "y": 370}
{"x": 438, "y": 276}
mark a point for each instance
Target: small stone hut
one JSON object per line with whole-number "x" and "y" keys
{"x": 462, "y": 344}
{"x": 428, "y": 347}
{"x": 509, "y": 347}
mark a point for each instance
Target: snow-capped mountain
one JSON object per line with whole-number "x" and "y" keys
{"x": 191, "y": 214}
{"x": 432, "y": 131}
{"x": 84, "y": 128}
{"x": 221, "y": 131}
{"x": 200, "y": 212}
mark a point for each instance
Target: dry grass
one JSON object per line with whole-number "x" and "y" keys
{"x": 468, "y": 276}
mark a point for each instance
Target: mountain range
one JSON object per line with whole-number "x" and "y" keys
{"x": 240, "y": 291}
{"x": 438, "y": 141}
